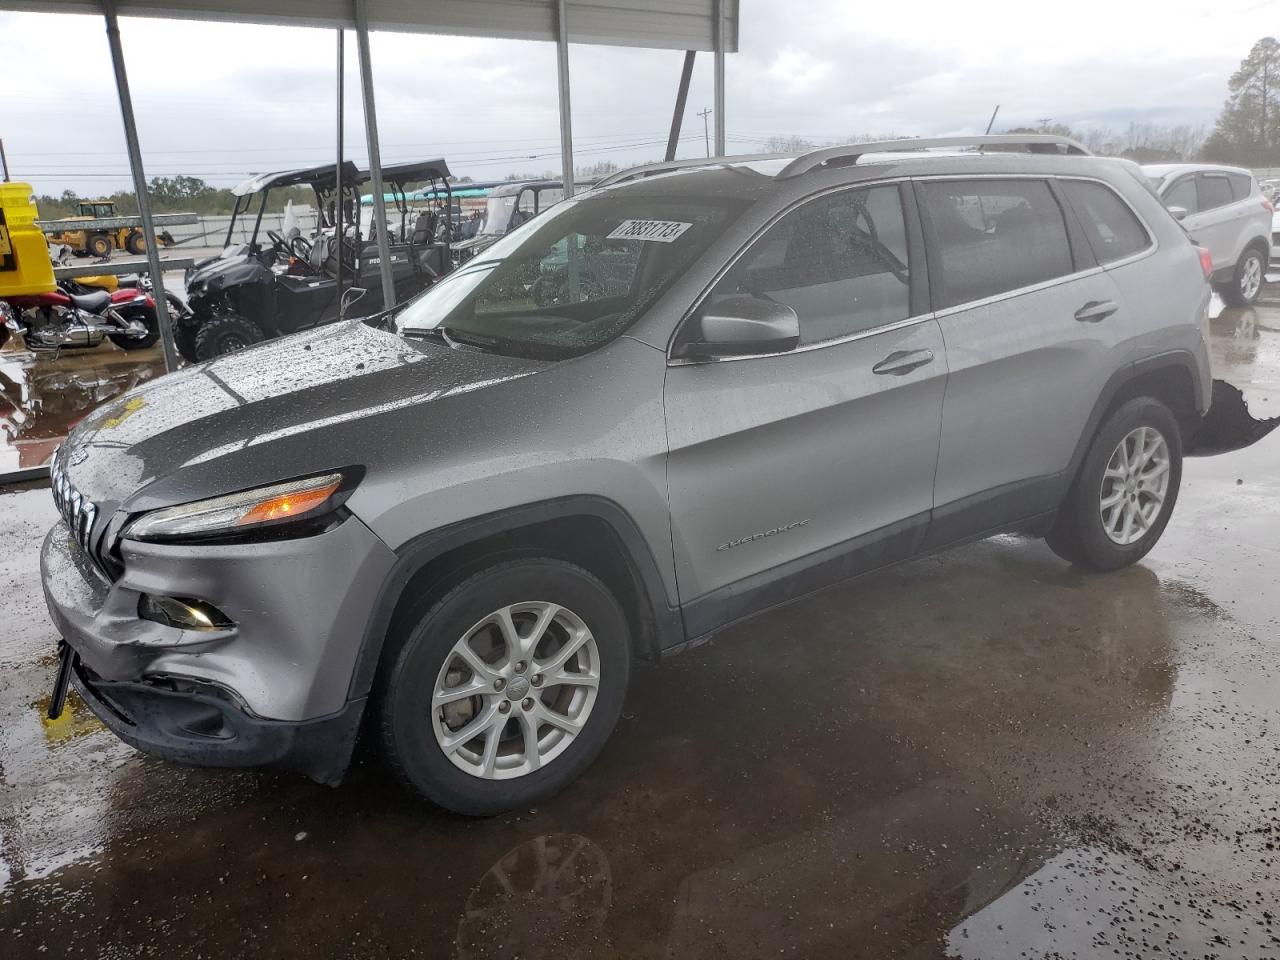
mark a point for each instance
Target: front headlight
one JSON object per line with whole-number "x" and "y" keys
{"x": 237, "y": 512}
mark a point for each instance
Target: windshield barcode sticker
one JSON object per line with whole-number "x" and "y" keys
{"x": 659, "y": 231}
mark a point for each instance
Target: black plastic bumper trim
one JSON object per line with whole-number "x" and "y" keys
{"x": 206, "y": 730}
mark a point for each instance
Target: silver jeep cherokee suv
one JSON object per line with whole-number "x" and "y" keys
{"x": 697, "y": 391}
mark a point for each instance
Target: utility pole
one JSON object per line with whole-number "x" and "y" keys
{"x": 706, "y": 134}
{"x": 992, "y": 122}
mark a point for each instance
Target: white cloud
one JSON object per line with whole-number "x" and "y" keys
{"x": 223, "y": 100}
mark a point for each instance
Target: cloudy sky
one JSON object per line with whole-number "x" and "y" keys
{"x": 222, "y": 101}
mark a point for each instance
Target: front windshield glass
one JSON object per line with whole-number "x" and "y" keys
{"x": 497, "y": 214}
{"x": 573, "y": 278}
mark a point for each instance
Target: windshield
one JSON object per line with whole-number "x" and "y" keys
{"x": 497, "y": 214}
{"x": 575, "y": 277}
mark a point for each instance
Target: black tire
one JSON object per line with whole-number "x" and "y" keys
{"x": 184, "y": 337}
{"x": 136, "y": 243}
{"x": 225, "y": 334}
{"x": 412, "y": 667}
{"x": 99, "y": 245}
{"x": 1078, "y": 535}
{"x": 148, "y": 316}
{"x": 1232, "y": 292}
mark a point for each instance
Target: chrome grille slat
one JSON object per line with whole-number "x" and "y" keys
{"x": 77, "y": 510}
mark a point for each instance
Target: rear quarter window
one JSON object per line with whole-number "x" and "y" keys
{"x": 1110, "y": 226}
{"x": 1241, "y": 185}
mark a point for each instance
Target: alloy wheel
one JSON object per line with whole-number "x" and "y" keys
{"x": 1134, "y": 485}
{"x": 1251, "y": 277}
{"x": 516, "y": 690}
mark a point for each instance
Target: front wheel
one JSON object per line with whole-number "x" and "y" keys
{"x": 507, "y": 688}
{"x": 1245, "y": 284}
{"x": 99, "y": 245}
{"x": 1123, "y": 497}
{"x": 224, "y": 334}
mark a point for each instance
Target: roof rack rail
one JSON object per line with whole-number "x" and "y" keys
{"x": 653, "y": 169}
{"x": 849, "y": 153}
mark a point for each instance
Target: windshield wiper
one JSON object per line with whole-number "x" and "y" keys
{"x": 450, "y": 337}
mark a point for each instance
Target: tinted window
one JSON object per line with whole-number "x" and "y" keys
{"x": 1241, "y": 185}
{"x": 1183, "y": 194}
{"x": 994, "y": 236}
{"x": 1109, "y": 225}
{"x": 840, "y": 262}
{"x": 1215, "y": 191}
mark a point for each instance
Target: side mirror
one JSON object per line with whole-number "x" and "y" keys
{"x": 1179, "y": 213}
{"x": 738, "y": 326}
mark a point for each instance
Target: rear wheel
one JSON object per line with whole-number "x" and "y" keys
{"x": 225, "y": 334}
{"x": 136, "y": 243}
{"x": 99, "y": 245}
{"x": 507, "y": 688}
{"x": 1246, "y": 282}
{"x": 1124, "y": 495}
{"x": 147, "y": 315}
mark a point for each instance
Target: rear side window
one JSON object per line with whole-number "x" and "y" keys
{"x": 1241, "y": 185}
{"x": 1183, "y": 194}
{"x": 993, "y": 236}
{"x": 1109, "y": 225}
{"x": 839, "y": 261}
{"x": 1215, "y": 191}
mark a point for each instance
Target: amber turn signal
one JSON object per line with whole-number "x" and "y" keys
{"x": 289, "y": 504}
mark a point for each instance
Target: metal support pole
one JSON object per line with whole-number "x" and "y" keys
{"x": 718, "y": 28}
{"x": 4, "y": 161}
{"x": 140, "y": 186}
{"x": 682, "y": 96}
{"x": 337, "y": 175}
{"x": 375, "y": 157}
{"x": 566, "y": 114}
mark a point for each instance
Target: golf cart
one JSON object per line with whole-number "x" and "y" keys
{"x": 506, "y": 207}
{"x": 259, "y": 290}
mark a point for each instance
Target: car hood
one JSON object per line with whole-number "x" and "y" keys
{"x": 284, "y": 408}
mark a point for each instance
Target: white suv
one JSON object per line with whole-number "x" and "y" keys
{"x": 1225, "y": 211}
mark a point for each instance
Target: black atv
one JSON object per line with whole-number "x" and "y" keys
{"x": 259, "y": 290}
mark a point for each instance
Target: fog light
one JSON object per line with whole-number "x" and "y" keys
{"x": 184, "y": 613}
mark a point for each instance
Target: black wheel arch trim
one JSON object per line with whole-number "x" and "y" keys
{"x": 415, "y": 554}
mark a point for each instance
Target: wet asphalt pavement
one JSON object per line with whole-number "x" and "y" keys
{"x": 983, "y": 754}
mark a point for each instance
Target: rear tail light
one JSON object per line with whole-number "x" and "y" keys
{"x": 1268, "y": 206}
{"x": 1206, "y": 262}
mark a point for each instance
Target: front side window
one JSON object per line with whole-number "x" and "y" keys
{"x": 1183, "y": 194}
{"x": 1215, "y": 191}
{"x": 572, "y": 279}
{"x": 839, "y": 261}
{"x": 1109, "y": 225}
{"x": 993, "y": 236}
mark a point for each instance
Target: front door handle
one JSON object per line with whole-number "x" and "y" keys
{"x": 1096, "y": 310}
{"x": 903, "y": 361}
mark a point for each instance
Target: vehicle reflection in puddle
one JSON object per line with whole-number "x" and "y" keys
{"x": 548, "y": 897}
{"x": 43, "y": 395}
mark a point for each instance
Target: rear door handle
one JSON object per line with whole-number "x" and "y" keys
{"x": 1096, "y": 310}
{"x": 903, "y": 361}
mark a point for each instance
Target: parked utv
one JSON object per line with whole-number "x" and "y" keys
{"x": 506, "y": 208}
{"x": 256, "y": 291}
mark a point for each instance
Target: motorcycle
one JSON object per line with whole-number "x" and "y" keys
{"x": 67, "y": 318}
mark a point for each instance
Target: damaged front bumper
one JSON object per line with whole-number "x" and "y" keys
{"x": 271, "y": 689}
